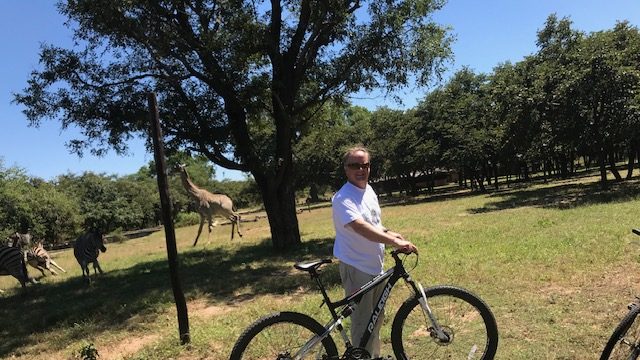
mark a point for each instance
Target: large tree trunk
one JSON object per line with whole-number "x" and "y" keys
{"x": 280, "y": 205}
{"x": 313, "y": 193}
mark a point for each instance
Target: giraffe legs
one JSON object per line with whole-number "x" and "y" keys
{"x": 235, "y": 224}
{"x": 199, "y": 230}
{"x": 211, "y": 225}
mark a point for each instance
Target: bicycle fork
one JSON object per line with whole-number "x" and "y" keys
{"x": 435, "y": 329}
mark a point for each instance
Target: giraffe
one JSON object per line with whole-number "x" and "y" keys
{"x": 209, "y": 205}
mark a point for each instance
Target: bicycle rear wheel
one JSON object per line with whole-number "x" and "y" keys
{"x": 464, "y": 317}
{"x": 280, "y": 336}
{"x": 624, "y": 341}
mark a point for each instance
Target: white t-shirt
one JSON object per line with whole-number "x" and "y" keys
{"x": 348, "y": 204}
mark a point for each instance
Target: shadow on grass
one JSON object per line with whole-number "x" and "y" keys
{"x": 562, "y": 196}
{"x": 76, "y": 311}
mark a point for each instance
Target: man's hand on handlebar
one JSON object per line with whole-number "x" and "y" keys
{"x": 405, "y": 246}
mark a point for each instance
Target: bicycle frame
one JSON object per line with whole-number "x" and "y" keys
{"x": 350, "y": 302}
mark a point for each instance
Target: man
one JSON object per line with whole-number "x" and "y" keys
{"x": 360, "y": 241}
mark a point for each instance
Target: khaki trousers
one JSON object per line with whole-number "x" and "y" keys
{"x": 352, "y": 280}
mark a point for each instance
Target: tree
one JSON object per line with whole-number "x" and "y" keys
{"x": 457, "y": 116}
{"x": 104, "y": 203}
{"x": 556, "y": 71}
{"x": 236, "y": 80}
{"x": 33, "y": 205}
{"x": 318, "y": 153}
{"x": 405, "y": 151}
{"x": 608, "y": 91}
{"x": 514, "y": 98}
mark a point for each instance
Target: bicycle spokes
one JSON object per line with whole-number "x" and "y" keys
{"x": 445, "y": 327}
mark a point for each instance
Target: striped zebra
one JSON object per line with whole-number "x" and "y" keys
{"x": 12, "y": 263}
{"x": 40, "y": 259}
{"x": 86, "y": 250}
{"x": 35, "y": 255}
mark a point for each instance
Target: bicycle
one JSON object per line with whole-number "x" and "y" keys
{"x": 624, "y": 342}
{"x": 440, "y": 322}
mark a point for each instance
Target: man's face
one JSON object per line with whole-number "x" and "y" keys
{"x": 357, "y": 169}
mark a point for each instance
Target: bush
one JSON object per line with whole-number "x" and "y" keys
{"x": 88, "y": 352}
{"x": 186, "y": 219}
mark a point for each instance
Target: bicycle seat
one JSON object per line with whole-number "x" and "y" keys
{"x": 311, "y": 266}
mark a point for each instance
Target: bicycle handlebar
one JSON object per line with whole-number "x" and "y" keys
{"x": 395, "y": 252}
{"x": 636, "y": 231}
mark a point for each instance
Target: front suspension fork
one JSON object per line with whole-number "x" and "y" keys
{"x": 426, "y": 310}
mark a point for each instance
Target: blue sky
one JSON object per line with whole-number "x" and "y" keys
{"x": 487, "y": 32}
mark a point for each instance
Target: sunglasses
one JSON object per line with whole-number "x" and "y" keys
{"x": 356, "y": 166}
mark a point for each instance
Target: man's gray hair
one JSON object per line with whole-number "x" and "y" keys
{"x": 353, "y": 149}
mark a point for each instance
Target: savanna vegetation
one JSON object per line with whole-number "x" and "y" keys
{"x": 556, "y": 262}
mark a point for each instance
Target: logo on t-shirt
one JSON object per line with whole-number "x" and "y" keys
{"x": 375, "y": 217}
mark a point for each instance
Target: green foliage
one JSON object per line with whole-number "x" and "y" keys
{"x": 319, "y": 149}
{"x": 245, "y": 194}
{"x": 88, "y": 352}
{"x": 187, "y": 218}
{"x": 36, "y": 206}
{"x": 108, "y": 203}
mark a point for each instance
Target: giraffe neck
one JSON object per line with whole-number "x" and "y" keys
{"x": 191, "y": 188}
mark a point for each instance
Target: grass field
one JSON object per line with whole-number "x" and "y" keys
{"x": 556, "y": 263}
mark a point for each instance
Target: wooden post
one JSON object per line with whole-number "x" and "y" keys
{"x": 170, "y": 234}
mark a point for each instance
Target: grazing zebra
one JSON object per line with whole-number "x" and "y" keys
{"x": 86, "y": 250}
{"x": 12, "y": 263}
{"x": 40, "y": 259}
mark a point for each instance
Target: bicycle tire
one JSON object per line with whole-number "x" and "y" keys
{"x": 619, "y": 333}
{"x": 291, "y": 328}
{"x": 453, "y": 307}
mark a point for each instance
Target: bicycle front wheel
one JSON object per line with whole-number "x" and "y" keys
{"x": 470, "y": 327}
{"x": 280, "y": 336}
{"x": 624, "y": 342}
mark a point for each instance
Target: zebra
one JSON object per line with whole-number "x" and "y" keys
{"x": 40, "y": 259}
{"x": 86, "y": 250}
{"x": 12, "y": 263}
{"x": 36, "y": 256}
